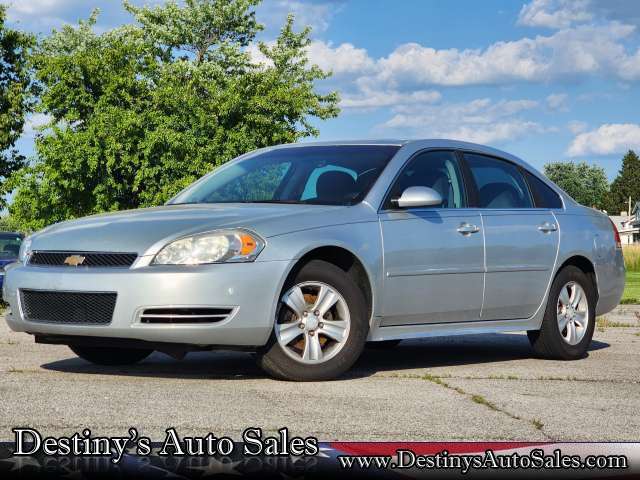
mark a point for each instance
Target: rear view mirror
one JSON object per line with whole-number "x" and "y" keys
{"x": 419, "y": 197}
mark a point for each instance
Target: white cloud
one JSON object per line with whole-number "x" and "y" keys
{"x": 343, "y": 59}
{"x": 557, "y": 101}
{"x": 555, "y": 13}
{"x": 566, "y": 54}
{"x": 314, "y": 13}
{"x": 605, "y": 140}
{"x": 570, "y": 54}
{"x": 488, "y": 134}
{"x": 481, "y": 121}
{"x": 34, "y": 7}
{"x": 34, "y": 122}
{"x": 369, "y": 99}
{"x": 43, "y": 15}
{"x": 577, "y": 126}
{"x": 564, "y": 13}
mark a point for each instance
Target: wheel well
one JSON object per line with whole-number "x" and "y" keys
{"x": 346, "y": 261}
{"x": 584, "y": 264}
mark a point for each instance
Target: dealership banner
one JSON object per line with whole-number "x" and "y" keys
{"x": 80, "y": 455}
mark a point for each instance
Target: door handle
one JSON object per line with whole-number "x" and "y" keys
{"x": 467, "y": 229}
{"x": 547, "y": 227}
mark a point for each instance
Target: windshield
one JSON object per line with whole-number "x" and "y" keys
{"x": 322, "y": 175}
{"x": 9, "y": 245}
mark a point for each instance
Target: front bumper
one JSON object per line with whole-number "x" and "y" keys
{"x": 251, "y": 289}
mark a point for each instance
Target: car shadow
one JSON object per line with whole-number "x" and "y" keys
{"x": 410, "y": 354}
{"x": 449, "y": 352}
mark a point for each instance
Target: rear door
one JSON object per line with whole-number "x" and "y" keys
{"x": 433, "y": 256}
{"x": 521, "y": 240}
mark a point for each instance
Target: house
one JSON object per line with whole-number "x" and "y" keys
{"x": 635, "y": 220}
{"x": 628, "y": 226}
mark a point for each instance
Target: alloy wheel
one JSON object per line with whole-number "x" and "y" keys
{"x": 572, "y": 313}
{"x": 313, "y": 324}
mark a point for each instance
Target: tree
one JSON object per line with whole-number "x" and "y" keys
{"x": 586, "y": 184}
{"x": 625, "y": 185}
{"x": 16, "y": 89}
{"x": 141, "y": 111}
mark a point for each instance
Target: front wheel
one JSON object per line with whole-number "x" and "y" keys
{"x": 110, "y": 355}
{"x": 569, "y": 320}
{"x": 321, "y": 326}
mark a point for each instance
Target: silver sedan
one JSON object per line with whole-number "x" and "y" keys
{"x": 304, "y": 253}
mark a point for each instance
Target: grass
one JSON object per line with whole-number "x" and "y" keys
{"x": 603, "y": 323}
{"x": 631, "y": 293}
{"x": 632, "y": 257}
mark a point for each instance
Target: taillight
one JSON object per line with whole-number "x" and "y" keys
{"x": 616, "y": 234}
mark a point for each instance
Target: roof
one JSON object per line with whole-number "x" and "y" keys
{"x": 418, "y": 143}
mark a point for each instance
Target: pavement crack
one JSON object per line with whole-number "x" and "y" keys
{"x": 480, "y": 400}
{"x": 542, "y": 378}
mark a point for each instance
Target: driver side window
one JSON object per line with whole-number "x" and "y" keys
{"x": 435, "y": 169}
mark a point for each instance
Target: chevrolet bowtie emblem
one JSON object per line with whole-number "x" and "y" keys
{"x": 74, "y": 260}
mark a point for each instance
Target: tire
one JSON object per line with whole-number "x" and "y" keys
{"x": 110, "y": 355}
{"x": 383, "y": 345}
{"x": 550, "y": 341}
{"x": 284, "y": 360}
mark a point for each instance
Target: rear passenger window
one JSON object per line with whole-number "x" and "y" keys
{"x": 500, "y": 184}
{"x": 543, "y": 195}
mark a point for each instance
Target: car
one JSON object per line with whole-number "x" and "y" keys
{"x": 306, "y": 253}
{"x": 9, "y": 249}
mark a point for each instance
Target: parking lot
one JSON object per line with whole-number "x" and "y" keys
{"x": 457, "y": 388}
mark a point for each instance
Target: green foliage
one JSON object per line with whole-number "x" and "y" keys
{"x": 16, "y": 97}
{"x": 625, "y": 185}
{"x": 5, "y": 224}
{"x": 586, "y": 184}
{"x": 141, "y": 111}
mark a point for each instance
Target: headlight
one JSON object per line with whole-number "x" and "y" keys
{"x": 25, "y": 250}
{"x": 221, "y": 246}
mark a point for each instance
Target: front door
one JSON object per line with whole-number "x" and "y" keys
{"x": 433, "y": 256}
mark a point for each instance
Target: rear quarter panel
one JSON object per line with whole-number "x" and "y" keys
{"x": 588, "y": 233}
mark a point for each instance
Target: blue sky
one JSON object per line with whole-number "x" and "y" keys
{"x": 548, "y": 80}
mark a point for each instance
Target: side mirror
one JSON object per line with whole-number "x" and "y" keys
{"x": 419, "y": 197}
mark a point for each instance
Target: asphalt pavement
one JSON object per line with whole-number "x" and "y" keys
{"x": 457, "y": 388}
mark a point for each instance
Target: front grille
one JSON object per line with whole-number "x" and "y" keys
{"x": 69, "y": 308}
{"x": 185, "y": 315}
{"x": 88, "y": 259}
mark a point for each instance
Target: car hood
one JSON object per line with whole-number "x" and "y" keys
{"x": 138, "y": 230}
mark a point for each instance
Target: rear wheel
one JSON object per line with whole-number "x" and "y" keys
{"x": 110, "y": 355}
{"x": 321, "y": 326}
{"x": 569, "y": 320}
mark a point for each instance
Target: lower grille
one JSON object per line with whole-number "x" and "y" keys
{"x": 83, "y": 259}
{"x": 68, "y": 308}
{"x": 185, "y": 315}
